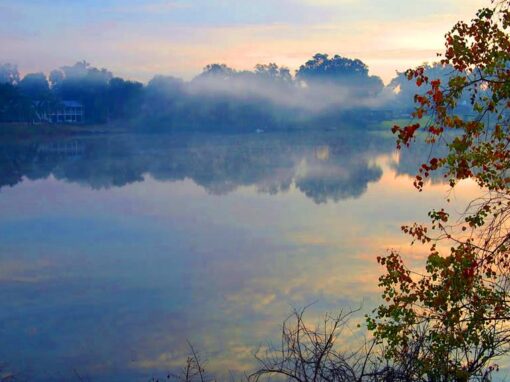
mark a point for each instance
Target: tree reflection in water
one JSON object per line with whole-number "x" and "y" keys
{"x": 324, "y": 166}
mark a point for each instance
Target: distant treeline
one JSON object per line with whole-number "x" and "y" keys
{"x": 324, "y": 90}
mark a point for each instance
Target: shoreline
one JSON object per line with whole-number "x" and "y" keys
{"x": 24, "y": 130}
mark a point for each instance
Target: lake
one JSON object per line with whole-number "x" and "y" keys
{"x": 117, "y": 250}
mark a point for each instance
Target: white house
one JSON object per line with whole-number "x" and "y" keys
{"x": 66, "y": 112}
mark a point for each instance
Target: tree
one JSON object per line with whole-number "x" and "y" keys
{"x": 311, "y": 354}
{"x": 337, "y": 67}
{"x": 13, "y": 106}
{"x": 165, "y": 86}
{"x": 34, "y": 86}
{"x": 340, "y": 71}
{"x": 9, "y": 74}
{"x": 405, "y": 90}
{"x": 124, "y": 97}
{"x": 217, "y": 71}
{"x": 35, "y": 89}
{"x": 456, "y": 311}
{"x": 273, "y": 72}
{"x": 56, "y": 77}
{"x": 87, "y": 84}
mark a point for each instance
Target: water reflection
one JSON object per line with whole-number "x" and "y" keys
{"x": 323, "y": 166}
{"x": 114, "y": 250}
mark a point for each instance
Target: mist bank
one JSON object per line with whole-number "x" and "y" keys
{"x": 325, "y": 91}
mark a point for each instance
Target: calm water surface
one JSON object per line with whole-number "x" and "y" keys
{"x": 115, "y": 250}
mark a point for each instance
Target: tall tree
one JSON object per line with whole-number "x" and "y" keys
{"x": 454, "y": 315}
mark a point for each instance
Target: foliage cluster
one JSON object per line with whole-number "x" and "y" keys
{"x": 456, "y": 311}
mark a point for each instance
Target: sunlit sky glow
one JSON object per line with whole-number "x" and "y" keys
{"x": 138, "y": 39}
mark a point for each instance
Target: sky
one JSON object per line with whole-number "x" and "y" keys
{"x": 137, "y": 39}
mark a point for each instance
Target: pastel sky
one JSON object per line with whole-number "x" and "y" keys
{"x": 137, "y": 39}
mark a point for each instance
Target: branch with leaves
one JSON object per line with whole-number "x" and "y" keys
{"x": 458, "y": 308}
